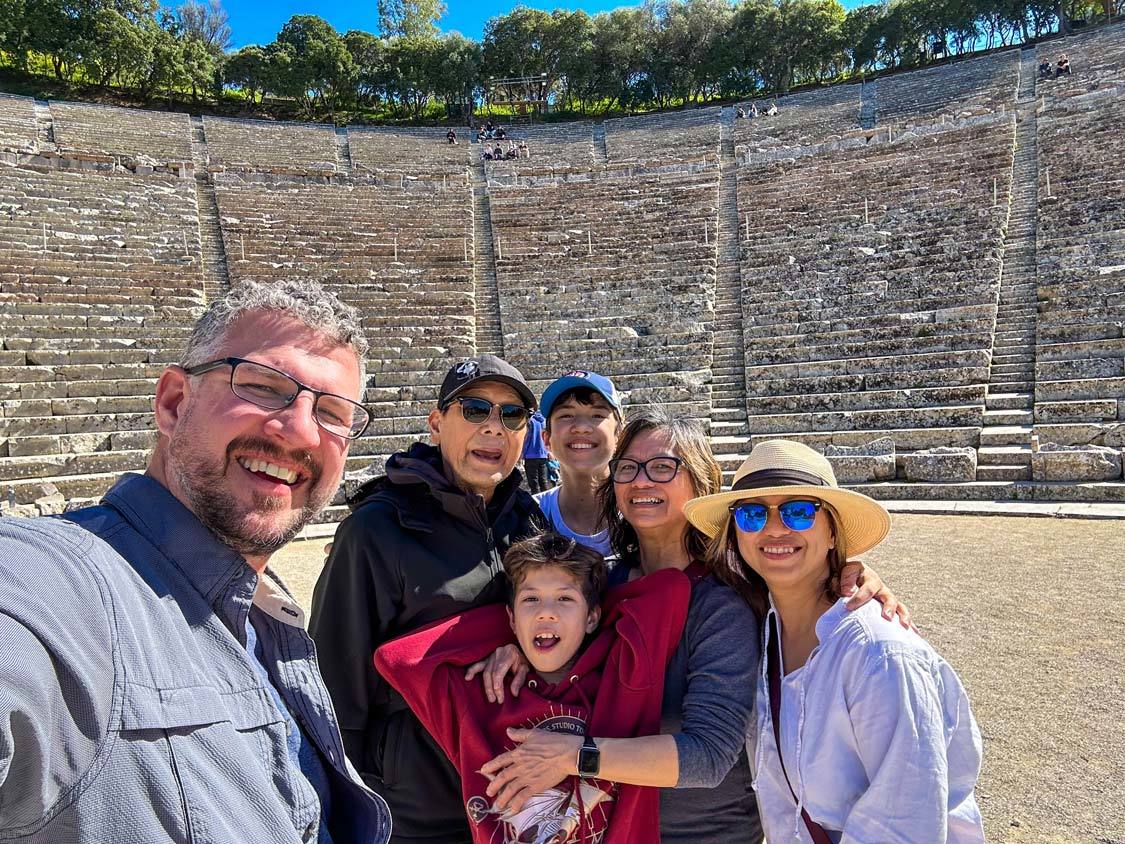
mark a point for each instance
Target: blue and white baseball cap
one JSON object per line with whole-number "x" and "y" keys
{"x": 579, "y": 378}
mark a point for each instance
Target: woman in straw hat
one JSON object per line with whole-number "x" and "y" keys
{"x": 660, "y": 463}
{"x": 877, "y": 741}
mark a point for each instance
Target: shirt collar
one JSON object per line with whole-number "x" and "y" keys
{"x": 209, "y": 565}
{"x": 825, "y": 625}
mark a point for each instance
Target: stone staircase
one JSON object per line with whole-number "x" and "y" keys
{"x": 730, "y": 437}
{"x": 343, "y": 151}
{"x": 868, "y": 98}
{"x": 601, "y": 155}
{"x": 1005, "y": 440}
{"x": 44, "y": 126}
{"x": 489, "y": 333}
{"x": 216, "y": 277}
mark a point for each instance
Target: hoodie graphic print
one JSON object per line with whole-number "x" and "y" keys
{"x": 614, "y": 690}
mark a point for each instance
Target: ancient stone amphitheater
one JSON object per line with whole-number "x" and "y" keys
{"x": 923, "y": 275}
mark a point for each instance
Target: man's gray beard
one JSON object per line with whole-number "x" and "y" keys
{"x": 202, "y": 483}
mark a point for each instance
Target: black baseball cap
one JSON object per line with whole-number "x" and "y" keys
{"x": 484, "y": 368}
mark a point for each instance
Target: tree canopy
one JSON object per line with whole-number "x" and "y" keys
{"x": 653, "y": 55}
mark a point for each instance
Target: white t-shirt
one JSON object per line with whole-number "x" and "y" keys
{"x": 549, "y": 504}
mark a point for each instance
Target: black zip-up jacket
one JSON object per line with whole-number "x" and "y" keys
{"x": 414, "y": 550}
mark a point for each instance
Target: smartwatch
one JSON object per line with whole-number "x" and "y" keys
{"x": 589, "y": 758}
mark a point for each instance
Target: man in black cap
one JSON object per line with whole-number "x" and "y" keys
{"x": 423, "y": 542}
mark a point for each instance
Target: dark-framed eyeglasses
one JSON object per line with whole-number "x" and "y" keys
{"x": 659, "y": 470}
{"x": 273, "y": 389}
{"x": 477, "y": 411}
{"x": 751, "y": 516}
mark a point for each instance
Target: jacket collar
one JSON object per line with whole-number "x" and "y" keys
{"x": 209, "y": 565}
{"x": 420, "y": 470}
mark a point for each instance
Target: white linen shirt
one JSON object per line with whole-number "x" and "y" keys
{"x": 877, "y": 736}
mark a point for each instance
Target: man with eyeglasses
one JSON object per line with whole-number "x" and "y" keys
{"x": 156, "y": 682}
{"x": 424, "y": 542}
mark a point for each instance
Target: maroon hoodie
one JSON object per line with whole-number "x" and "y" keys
{"x": 614, "y": 691}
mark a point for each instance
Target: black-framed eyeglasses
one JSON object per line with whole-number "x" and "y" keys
{"x": 273, "y": 389}
{"x": 659, "y": 470}
{"x": 477, "y": 411}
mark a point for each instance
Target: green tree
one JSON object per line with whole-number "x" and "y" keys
{"x": 409, "y": 73}
{"x": 312, "y": 63}
{"x": 369, "y": 55}
{"x": 410, "y": 18}
{"x": 248, "y": 70}
{"x": 457, "y": 74}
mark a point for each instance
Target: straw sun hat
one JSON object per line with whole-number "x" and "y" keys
{"x": 781, "y": 467}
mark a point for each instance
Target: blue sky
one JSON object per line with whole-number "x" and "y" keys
{"x": 258, "y": 21}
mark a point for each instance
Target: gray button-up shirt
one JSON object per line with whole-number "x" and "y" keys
{"x": 129, "y": 707}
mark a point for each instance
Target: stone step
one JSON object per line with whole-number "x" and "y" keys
{"x": 951, "y": 416}
{"x": 1007, "y": 401}
{"x": 1007, "y": 386}
{"x": 1003, "y": 473}
{"x": 1007, "y": 417}
{"x": 1004, "y": 455}
{"x": 1005, "y": 435}
{"x": 906, "y": 439}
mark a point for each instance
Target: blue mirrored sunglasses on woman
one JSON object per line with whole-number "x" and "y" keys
{"x": 751, "y": 516}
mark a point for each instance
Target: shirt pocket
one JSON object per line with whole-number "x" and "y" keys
{"x": 206, "y": 757}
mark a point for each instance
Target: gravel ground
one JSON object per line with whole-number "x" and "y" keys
{"x": 1030, "y": 613}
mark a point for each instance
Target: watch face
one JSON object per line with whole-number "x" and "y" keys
{"x": 589, "y": 761}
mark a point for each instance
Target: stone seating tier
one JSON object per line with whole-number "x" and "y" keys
{"x": 923, "y": 268}
{"x": 410, "y": 151}
{"x": 163, "y": 137}
{"x": 976, "y": 86}
{"x": 666, "y": 137}
{"x": 1080, "y": 343}
{"x": 67, "y": 233}
{"x": 262, "y": 146}
{"x": 348, "y": 237}
{"x": 1097, "y": 61}
{"x": 609, "y": 272}
{"x": 804, "y": 118}
{"x": 17, "y": 124}
{"x": 552, "y": 146}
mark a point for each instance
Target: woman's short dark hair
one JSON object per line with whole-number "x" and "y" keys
{"x": 552, "y": 550}
{"x": 689, "y": 443}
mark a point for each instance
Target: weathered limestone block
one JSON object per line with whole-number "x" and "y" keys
{"x": 1075, "y": 463}
{"x": 1115, "y": 437}
{"x": 944, "y": 464}
{"x": 873, "y": 461}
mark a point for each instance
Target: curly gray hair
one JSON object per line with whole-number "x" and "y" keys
{"x": 306, "y": 301}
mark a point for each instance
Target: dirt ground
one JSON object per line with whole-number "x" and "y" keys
{"x": 1031, "y": 613}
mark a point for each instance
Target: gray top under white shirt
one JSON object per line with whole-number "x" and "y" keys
{"x": 708, "y": 706}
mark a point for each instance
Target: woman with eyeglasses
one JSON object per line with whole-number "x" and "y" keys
{"x": 661, "y": 462}
{"x": 863, "y": 732}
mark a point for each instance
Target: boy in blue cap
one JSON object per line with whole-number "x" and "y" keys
{"x": 583, "y": 418}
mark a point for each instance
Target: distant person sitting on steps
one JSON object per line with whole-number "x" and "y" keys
{"x": 498, "y": 153}
{"x": 501, "y": 133}
{"x": 772, "y": 110}
{"x": 741, "y": 113}
{"x": 1045, "y": 70}
{"x": 1063, "y": 66}
{"x": 523, "y": 150}
{"x": 451, "y": 136}
{"x": 480, "y": 136}
{"x": 754, "y": 110}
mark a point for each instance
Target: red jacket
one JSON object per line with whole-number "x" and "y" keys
{"x": 620, "y": 674}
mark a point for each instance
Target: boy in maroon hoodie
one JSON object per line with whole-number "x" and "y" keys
{"x": 595, "y": 670}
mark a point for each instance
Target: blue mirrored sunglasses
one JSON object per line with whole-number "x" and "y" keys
{"x": 751, "y": 516}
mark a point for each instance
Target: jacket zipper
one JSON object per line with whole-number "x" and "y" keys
{"x": 495, "y": 563}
